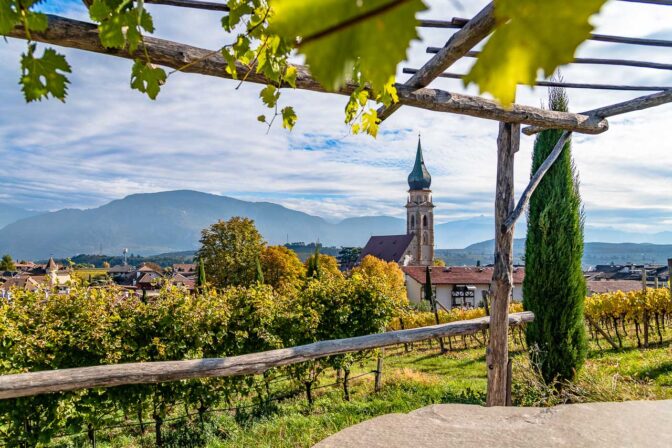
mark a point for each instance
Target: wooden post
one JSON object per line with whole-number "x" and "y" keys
{"x": 669, "y": 273}
{"x": 646, "y": 311}
{"x": 497, "y": 354}
{"x": 509, "y": 375}
{"x": 601, "y": 331}
{"x": 379, "y": 371}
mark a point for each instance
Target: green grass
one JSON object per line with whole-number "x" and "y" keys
{"x": 411, "y": 381}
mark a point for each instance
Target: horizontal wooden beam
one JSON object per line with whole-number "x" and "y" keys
{"x": 567, "y": 85}
{"x": 84, "y": 36}
{"x": 194, "y": 4}
{"x": 456, "y": 21}
{"x": 535, "y": 181}
{"x": 35, "y": 383}
{"x": 639, "y": 103}
{"x": 471, "y": 33}
{"x": 651, "y": 2}
{"x": 441, "y": 101}
{"x": 593, "y": 61}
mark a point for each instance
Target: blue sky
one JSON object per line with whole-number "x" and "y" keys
{"x": 107, "y": 141}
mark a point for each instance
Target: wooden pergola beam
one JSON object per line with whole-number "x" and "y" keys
{"x": 470, "y": 34}
{"x": 442, "y": 101}
{"x": 456, "y": 21}
{"x": 84, "y": 36}
{"x": 639, "y": 103}
{"x": 566, "y": 85}
{"x": 593, "y": 61}
{"x": 194, "y": 4}
{"x": 535, "y": 181}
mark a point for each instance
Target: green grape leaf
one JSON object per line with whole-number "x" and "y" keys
{"x": 269, "y": 95}
{"x": 288, "y": 117}
{"x": 531, "y": 35}
{"x": 41, "y": 77}
{"x": 9, "y": 17}
{"x": 261, "y": 118}
{"x": 147, "y": 78}
{"x": 120, "y": 26}
{"x": 337, "y": 34}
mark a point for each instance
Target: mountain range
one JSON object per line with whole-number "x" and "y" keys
{"x": 594, "y": 253}
{"x": 170, "y": 221}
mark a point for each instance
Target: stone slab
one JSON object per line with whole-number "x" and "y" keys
{"x": 627, "y": 424}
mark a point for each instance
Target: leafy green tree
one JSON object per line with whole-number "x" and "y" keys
{"x": 321, "y": 266}
{"x": 388, "y": 274}
{"x": 348, "y": 257}
{"x": 282, "y": 269}
{"x": 230, "y": 250}
{"x": 554, "y": 287}
{"x": 7, "y": 263}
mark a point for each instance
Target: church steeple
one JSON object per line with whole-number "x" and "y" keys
{"x": 420, "y": 212}
{"x": 419, "y": 179}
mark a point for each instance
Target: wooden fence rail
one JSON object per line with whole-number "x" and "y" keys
{"x": 35, "y": 383}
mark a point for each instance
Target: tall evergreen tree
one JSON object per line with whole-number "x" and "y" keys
{"x": 554, "y": 287}
{"x": 200, "y": 281}
{"x": 260, "y": 273}
{"x": 313, "y": 268}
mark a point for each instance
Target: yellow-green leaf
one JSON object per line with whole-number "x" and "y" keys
{"x": 337, "y": 34}
{"x": 532, "y": 35}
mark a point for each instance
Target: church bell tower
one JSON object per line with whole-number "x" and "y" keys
{"x": 420, "y": 212}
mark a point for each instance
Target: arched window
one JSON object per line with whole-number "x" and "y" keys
{"x": 424, "y": 221}
{"x": 412, "y": 221}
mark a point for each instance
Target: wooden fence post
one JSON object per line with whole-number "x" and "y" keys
{"x": 497, "y": 354}
{"x": 646, "y": 311}
{"x": 379, "y": 371}
{"x": 509, "y": 375}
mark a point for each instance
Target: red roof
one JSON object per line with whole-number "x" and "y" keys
{"x": 602, "y": 286}
{"x": 460, "y": 275}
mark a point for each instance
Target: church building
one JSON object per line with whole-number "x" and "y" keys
{"x": 416, "y": 247}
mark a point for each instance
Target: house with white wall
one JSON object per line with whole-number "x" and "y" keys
{"x": 457, "y": 286}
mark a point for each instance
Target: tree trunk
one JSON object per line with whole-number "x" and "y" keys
{"x": 497, "y": 354}
{"x": 91, "y": 434}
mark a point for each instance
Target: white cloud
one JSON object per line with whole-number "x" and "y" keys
{"x": 108, "y": 141}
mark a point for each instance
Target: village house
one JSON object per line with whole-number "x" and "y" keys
{"x": 457, "y": 286}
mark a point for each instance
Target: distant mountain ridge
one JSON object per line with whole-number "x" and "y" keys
{"x": 594, "y": 253}
{"x": 171, "y": 221}
{"x": 10, "y": 213}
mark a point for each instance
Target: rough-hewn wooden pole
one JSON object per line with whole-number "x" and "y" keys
{"x": 646, "y": 311}
{"x": 497, "y": 355}
{"x": 379, "y": 371}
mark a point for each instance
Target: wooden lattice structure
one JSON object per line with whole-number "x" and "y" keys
{"x": 416, "y": 93}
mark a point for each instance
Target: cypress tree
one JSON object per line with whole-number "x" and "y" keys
{"x": 313, "y": 269}
{"x": 428, "y": 286}
{"x": 554, "y": 287}
{"x": 200, "y": 282}
{"x": 260, "y": 273}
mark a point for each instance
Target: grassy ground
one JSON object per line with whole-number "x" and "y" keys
{"x": 413, "y": 380}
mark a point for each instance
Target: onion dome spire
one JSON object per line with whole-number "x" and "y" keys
{"x": 419, "y": 179}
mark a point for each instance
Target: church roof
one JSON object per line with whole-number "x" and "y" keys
{"x": 419, "y": 179}
{"x": 51, "y": 265}
{"x": 388, "y": 247}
